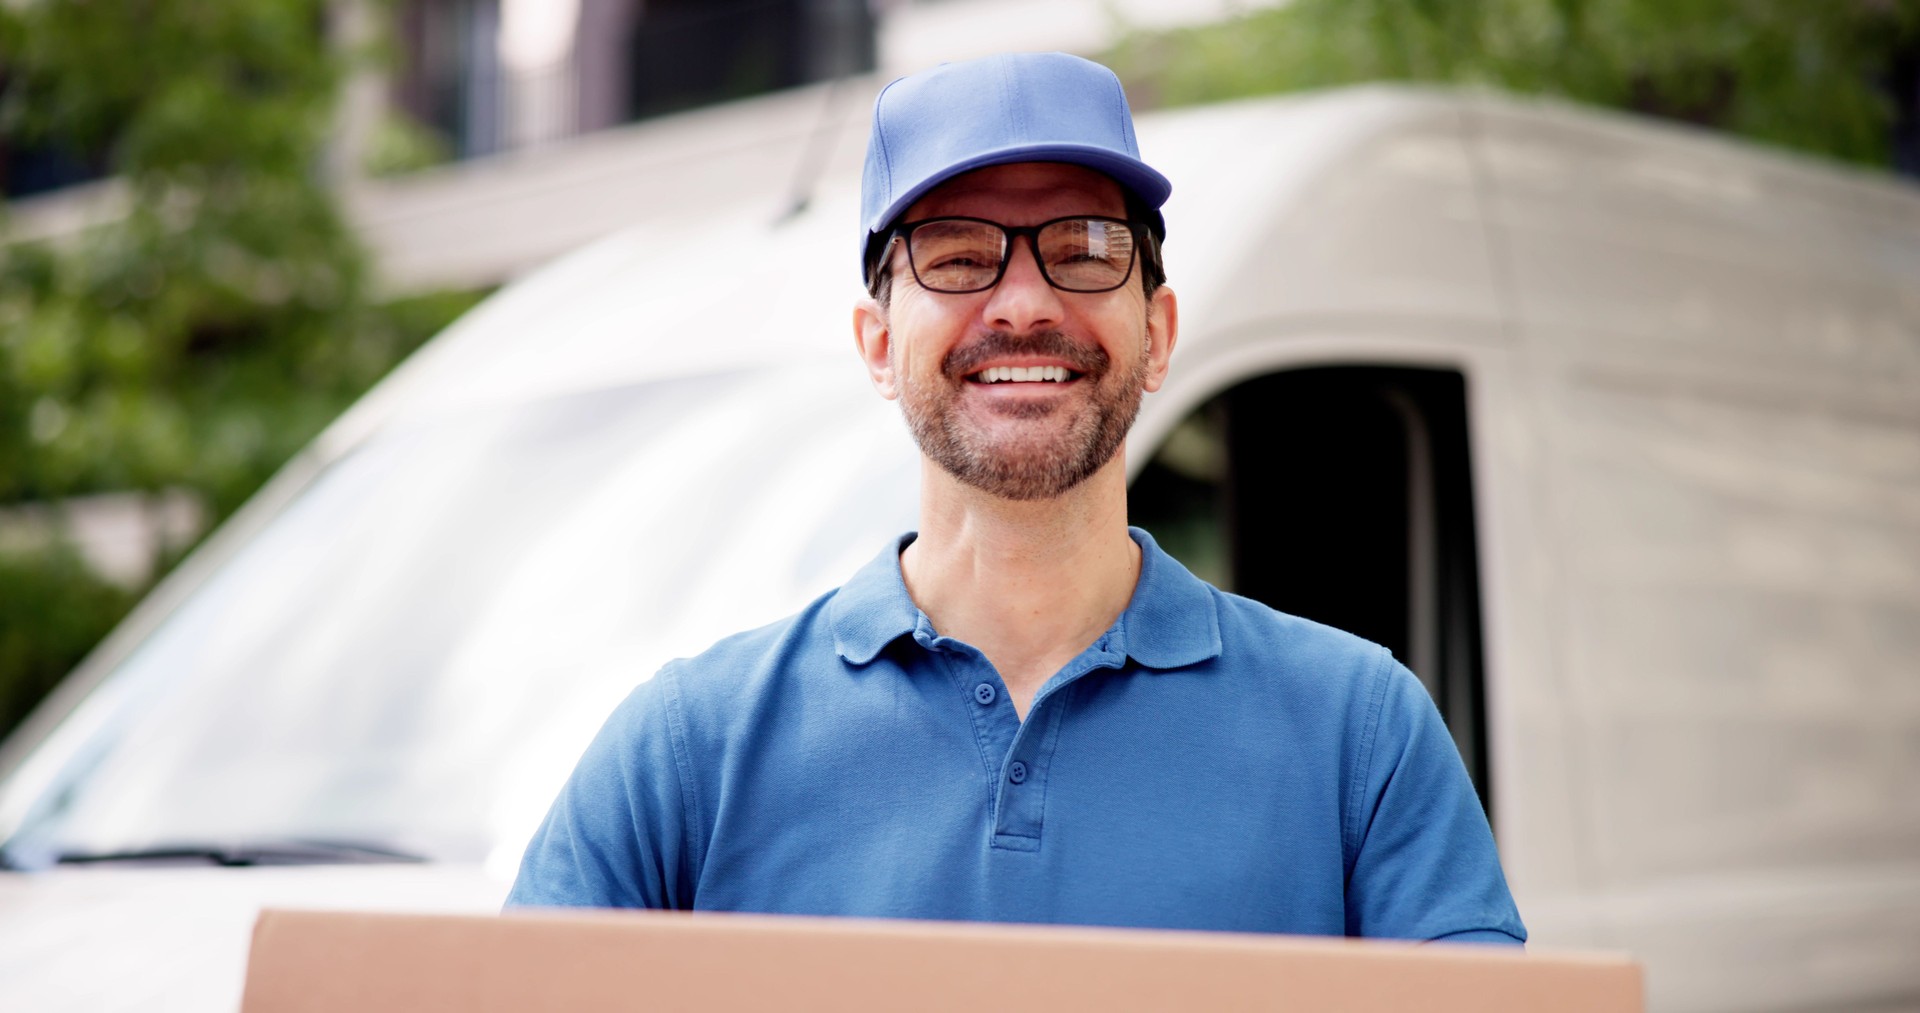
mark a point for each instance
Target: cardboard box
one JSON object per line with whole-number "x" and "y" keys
{"x": 309, "y": 961}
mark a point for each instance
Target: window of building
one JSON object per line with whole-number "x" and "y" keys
{"x": 498, "y": 75}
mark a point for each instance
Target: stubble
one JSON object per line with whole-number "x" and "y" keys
{"x": 1039, "y": 461}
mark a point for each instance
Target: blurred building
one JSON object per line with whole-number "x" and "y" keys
{"x": 506, "y": 132}
{"x": 499, "y": 75}
{"x": 550, "y": 123}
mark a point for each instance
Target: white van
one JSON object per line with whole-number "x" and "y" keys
{"x": 1610, "y": 430}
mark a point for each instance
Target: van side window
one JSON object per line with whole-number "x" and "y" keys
{"x": 1343, "y": 495}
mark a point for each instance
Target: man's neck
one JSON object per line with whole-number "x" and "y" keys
{"x": 1030, "y": 584}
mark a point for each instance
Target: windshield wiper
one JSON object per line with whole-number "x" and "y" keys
{"x": 297, "y": 851}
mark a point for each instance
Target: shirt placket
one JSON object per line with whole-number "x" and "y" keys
{"x": 1019, "y": 754}
{"x": 995, "y": 725}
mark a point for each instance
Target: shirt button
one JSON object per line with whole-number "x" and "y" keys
{"x": 985, "y": 693}
{"x": 1017, "y": 773}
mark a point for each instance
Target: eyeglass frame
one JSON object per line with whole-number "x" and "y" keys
{"x": 903, "y": 231}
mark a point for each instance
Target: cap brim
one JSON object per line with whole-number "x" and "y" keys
{"x": 1151, "y": 187}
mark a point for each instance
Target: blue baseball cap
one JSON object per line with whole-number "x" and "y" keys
{"x": 1014, "y": 107}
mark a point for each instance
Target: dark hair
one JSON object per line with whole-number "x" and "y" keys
{"x": 1153, "y": 271}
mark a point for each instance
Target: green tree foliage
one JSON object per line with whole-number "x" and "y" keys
{"x": 1799, "y": 73}
{"x": 201, "y": 338}
{"x": 52, "y": 609}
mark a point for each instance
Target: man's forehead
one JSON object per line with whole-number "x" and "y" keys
{"x": 1072, "y": 187}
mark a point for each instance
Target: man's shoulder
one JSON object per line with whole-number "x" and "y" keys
{"x": 1248, "y": 637}
{"x": 1252, "y": 628}
{"x": 781, "y": 679}
{"x": 804, "y": 638}
{"x": 1257, "y": 636}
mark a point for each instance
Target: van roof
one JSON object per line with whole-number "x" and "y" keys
{"x": 1370, "y": 200}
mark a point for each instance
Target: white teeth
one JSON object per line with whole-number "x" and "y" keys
{"x": 1024, "y": 374}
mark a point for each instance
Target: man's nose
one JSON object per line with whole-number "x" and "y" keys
{"x": 1023, "y": 302}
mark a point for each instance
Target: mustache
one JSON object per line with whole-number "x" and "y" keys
{"x": 974, "y": 356}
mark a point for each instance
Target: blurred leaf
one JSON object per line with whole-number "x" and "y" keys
{"x": 401, "y": 145}
{"x": 206, "y": 337}
{"x": 1799, "y": 73}
{"x": 52, "y": 610}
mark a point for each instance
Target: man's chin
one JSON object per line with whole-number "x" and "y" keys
{"x": 1015, "y": 436}
{"x": 1023, "y": 470}
{"x": 1020, "y": 449}
{"x": 1023, "y": 486}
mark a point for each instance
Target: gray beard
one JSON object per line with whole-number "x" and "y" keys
{"x": 1029, "y": 469}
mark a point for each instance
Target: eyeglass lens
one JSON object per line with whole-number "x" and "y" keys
{"x": 1075, "y": 254}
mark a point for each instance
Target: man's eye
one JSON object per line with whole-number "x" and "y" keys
{"x": 1077, "y": 255}
{"x": 961, "y": 260}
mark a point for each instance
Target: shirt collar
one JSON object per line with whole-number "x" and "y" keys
{"x": 874, "y": 609}
{"x": 1171, "y": 622}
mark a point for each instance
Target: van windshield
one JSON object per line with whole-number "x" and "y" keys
{"x": 411, "y": 655}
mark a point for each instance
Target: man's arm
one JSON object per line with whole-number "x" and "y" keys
{"x": 1424, "y": 864}
{"x": 617, "y": 834}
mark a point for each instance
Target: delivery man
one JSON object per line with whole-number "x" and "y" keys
{"x": 1026, "y": 711}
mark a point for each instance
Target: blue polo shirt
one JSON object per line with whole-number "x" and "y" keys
{"x": 1208, "y": 763}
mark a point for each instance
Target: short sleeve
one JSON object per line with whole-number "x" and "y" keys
{"x": 617, "y": 834}
{"x": 1424, "y": 864}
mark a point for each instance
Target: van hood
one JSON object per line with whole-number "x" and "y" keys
{"x": 171, "y": 939}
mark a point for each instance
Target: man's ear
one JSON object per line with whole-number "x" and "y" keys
{"x": 873, "y": 339}
{"x": 1163, "y": 330}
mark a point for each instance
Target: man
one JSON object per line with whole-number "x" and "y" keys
{"x": 1026, "y": 711}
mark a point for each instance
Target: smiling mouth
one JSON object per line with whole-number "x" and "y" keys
{"x": 1023, "y": 374}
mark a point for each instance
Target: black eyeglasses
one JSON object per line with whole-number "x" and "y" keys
{"x": 1083, "y": 253}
